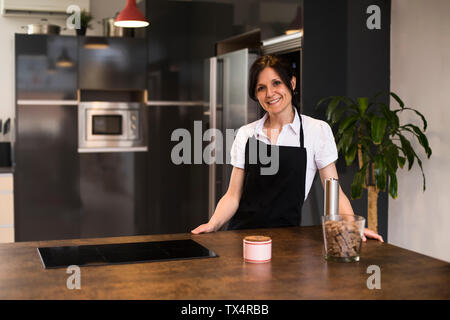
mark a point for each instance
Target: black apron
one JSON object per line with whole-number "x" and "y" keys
{"x": 270, "y": 201}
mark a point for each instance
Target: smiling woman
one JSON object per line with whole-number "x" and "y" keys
{"x": 272, "y": 93}
{"x": 272, "y": 78}
{"x": 304, "y": 145}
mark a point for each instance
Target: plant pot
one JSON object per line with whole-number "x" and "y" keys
{"x": 81, "y": 31}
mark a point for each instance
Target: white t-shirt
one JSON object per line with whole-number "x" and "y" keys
{"x": 318, "y": 140}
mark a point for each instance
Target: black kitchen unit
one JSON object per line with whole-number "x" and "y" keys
{"x": 120, "y": 64}
{"x": 112, "y": 191}
{"x": 47, "y": 198}
{"x": 63, "y": 193}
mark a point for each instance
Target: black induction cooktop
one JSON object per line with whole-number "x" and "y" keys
{"x": 94, "y": 255}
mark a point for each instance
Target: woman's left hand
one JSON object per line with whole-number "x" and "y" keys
{"x": 371, "y": 235}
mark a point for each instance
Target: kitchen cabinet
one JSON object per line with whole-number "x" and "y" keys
{"x": 55, "y": 67}
{"x": 119, "y": 65}
{"x": 62, "y": 194}
{"x": 113, "y": 194}
{"x": 46, "y": 67}
{"x": 46, "y": 198}
{"x": 6, "y": 208}
{"x": 46, "y": 177}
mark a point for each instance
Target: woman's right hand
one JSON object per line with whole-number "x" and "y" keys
{"x": 227, "y": 205}
{"x": 204, "y": 228}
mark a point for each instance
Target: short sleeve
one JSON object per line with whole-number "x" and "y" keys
{"x": 325, "y": 146}
{"x": 238, "y": 149}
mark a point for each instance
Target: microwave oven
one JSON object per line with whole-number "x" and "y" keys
{"x": 111, "y": 127}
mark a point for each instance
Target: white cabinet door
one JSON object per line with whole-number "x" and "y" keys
{"x": 6, "y": 208}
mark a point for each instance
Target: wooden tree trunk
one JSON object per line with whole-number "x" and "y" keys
{"x": 372, "y": 195}
{"x": 372, "y": 214}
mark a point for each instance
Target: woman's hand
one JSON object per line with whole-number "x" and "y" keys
{"x": 227, "y": 205}
{"x": 372, "y": 235}
{"x": 204, "y": 228}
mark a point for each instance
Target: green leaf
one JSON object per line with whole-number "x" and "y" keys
{"x": 331, "y": 107}
{"x": 421, "y": 169}
{"x": 322, "y": 101}
{"x": 392, "y": 119}
{"x": 351, "y": 154}
{"x": 425, "y": 123}
{"x": 374, "y": 98}
{"x": 347, "y": 138}
{"x": 337, "y": 114}
{"x": 391, "y": 155}
{"x": 407, "y": 150}
{"x": 358, "y": 182}
{"x": 363, "y": 103}
{"x": 345, "y": 141}
{"x": 348, "y": 123}
{"x": 380, "y": 172}
{"x": 393, "y": 186}
{"x": 423, "y": 175}
{"x": 378, "y": 126}
{"x": 399, "y": 101}
{"x": 348, "y": 101}
{"x": 421, "y": 137}
{"x": 401, "y": 161}
{"x": 424, "y": 142}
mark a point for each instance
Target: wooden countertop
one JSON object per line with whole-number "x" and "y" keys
{"x": 297, "y": 271}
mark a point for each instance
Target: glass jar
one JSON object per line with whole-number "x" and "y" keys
{"x": 342, "y": 236}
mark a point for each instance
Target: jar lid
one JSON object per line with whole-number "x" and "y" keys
{"x": 257, "y": 238}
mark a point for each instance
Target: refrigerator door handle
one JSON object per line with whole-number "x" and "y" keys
{"x": 213, "y": 125}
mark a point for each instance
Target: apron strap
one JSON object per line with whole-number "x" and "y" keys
{"x": 301, "y": 131}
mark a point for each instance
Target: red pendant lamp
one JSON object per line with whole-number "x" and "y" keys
{"x": 131, "y": 17}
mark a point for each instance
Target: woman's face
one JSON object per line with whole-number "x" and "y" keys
{"x": 272, "y": 93}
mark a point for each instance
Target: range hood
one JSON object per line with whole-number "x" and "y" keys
{"x": 283, "y": 44}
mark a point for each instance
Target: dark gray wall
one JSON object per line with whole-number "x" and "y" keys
{"x": 324, "y": 73}
{"x": 182, "y": 34}
{"x": 343, "y": 57}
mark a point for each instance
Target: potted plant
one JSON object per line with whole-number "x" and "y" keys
{"x": 367, "y": 131}
{"x": 85, "y": 22}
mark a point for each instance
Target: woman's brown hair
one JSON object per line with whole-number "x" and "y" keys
{"x": 281, "y": 67}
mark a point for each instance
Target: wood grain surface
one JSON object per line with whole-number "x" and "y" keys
{"x": 297, "y": 271}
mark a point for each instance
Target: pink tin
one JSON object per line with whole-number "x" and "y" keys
{"x": 257, "y": 249}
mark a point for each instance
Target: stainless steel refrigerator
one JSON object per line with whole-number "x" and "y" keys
{"x": 229, "y": 108}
